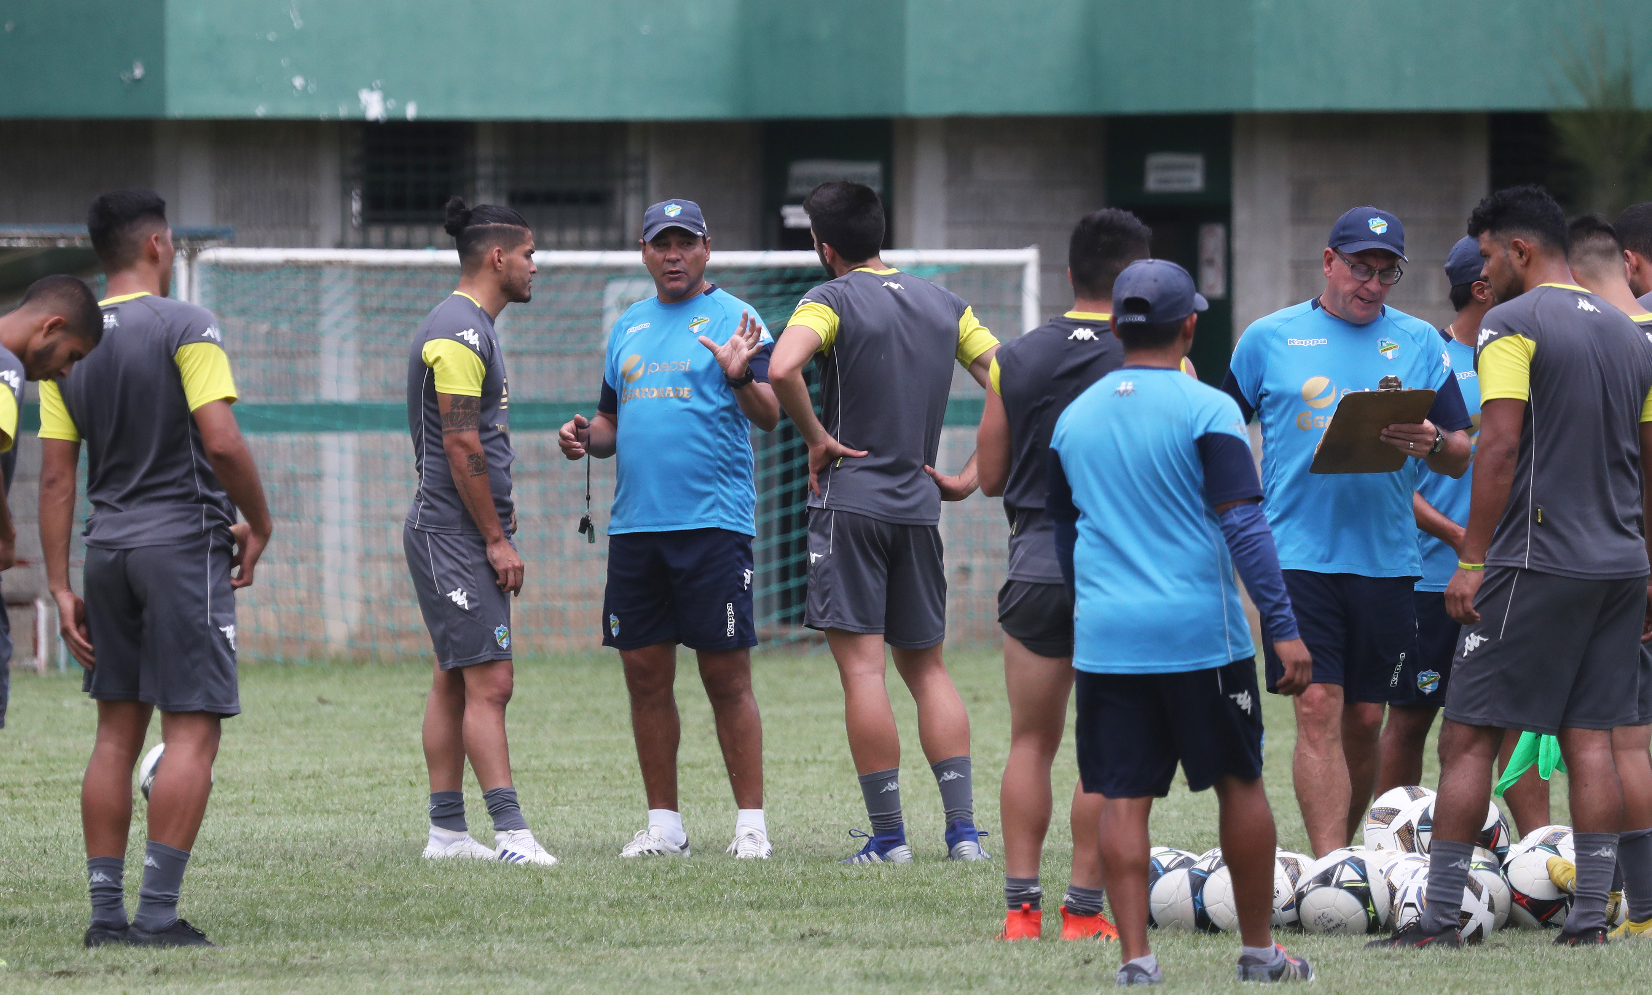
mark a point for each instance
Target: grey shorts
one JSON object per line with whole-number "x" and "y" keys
{"x": 468, "y": 616}
{"x": 1643, "y": 701}
{"x": 1039, "y": 616}
{"x": 870, "y": 576}
{"x": 1549, "y": 652}
{"x": 163, "y": 625}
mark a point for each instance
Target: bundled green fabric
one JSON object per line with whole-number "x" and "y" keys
{"x": 1544, "y": 751}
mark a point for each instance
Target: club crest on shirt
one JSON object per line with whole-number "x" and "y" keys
{"x": 1389, "y": 348}
{"x": 699, "y": 322}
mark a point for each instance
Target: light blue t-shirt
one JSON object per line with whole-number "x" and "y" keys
{"x": 1292, "y": 367}
{"x": 683, "y": 445}
{"x": 1450, "y": 497}
{"x": 1155, "y": 591}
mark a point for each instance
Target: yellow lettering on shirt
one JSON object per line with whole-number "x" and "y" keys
{"x": 457, "y": 368}
{"x": 973, "y": 338}
{"x": 204, "y": 368}
{"x": 1506, "y": 369}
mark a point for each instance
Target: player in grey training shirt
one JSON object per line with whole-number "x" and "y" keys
{"x": 1634, "y": 231}
{"x": 887, "y": 342}
{"x": 457, "y": 538}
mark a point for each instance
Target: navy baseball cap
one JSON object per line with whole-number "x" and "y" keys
{"x": 1368, "y": 228}
{"x": 1464, "y": 264}
{"x": 684, "y": 214}
{"x": 1155, "y": 291}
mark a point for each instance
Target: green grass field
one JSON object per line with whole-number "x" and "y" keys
{"x": 308, "y": 870}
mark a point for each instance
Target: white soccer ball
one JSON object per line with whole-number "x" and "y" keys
{"x": 1162, "y": 860}
{"x": 1170, "y": 900}
{"x": 1337, "y": 896}
{"x": 1198, "y": 876}
{"x": 1411, "y": 899}
{"x": 1394, "y": 876}
{"x": 1412, "y": 830}
{"x": 1494, "y": 835}
{"x": 1536, "y": 901}
{"x": 146, "y": 769}
{"x": 1496, "y": 895}
{"x": 1217, "y": 901}
{"x": 1288, "y": 871}
{"x": 1377, "y": 834}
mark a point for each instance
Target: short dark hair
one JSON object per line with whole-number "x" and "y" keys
{"x": 1103, "y": 244}
{"x": 116, "y": 217}
{"x": 1592, "y": 241}
{"x": 477, "y": 229}
{"x": 1148, "y": 335}
{"x": 1524, "y": 210}
{"x": 1634, "y": 228}
{"x": 72, "y": 299}
{"x": 1462, "y": 295}
{"x": 848, "y": 217}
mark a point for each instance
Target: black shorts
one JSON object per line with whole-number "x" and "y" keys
{"x": 872, "y": 576}
{"x": 162, "y": 620}
{"x": 465, "y": 611}
{"x": 1040, "y": 616}
{"x": 1362, "y": 632}
{"x": 1134, "y": 728}
{"x": 1550, "y": 652}
{"x": 1643, "y": 701}
{"x": 1427, "y": 674}
{"x": 691, "y": 587}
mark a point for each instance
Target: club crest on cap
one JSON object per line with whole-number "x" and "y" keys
{"x": 672, "y": 210}
{"x": 1378, "y": 225}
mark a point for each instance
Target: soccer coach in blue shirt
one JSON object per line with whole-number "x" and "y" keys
{"x": 1347, "y": 542}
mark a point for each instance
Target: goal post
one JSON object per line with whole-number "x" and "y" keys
{"x": 319, "y": 340}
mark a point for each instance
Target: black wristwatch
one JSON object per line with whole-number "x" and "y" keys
{"x": 1439, "y": 442}
{"x": 737, "y": 384}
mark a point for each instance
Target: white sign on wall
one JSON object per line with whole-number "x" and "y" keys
{"x": 1175, "y": 172}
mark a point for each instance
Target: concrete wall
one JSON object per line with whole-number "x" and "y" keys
{"x": 1293, "y": 175}
{"x": 717, "y": 164}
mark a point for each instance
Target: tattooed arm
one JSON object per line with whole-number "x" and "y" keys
{"x": 462, "y": 441}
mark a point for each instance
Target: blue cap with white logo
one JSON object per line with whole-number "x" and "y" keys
{"x": 1155, "y": 291}
{"x": 1368, "y": 228}
{"x": 1464, "y": 264}
{"x": 684, "y": 214}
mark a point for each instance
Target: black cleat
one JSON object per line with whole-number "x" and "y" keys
{"x": 1413, "y": 936}
{"x": 179, "y": 934}
{"x": 98, "y": 935}
{"x": 1592, "y": 936}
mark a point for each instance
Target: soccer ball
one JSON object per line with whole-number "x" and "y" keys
{"x": 1494, "y": 835}
{"x": 1484, "y": 909}
{"x": 1411, "y": 899}
{"x": 1221, "y": 908}
{"x": 1337, "y": 896}
{"x": 1377, "y": 834}
{"x": 1176, "y": 901}
{"x": 1162, "y": 860}
{"x": 1393, "y": 878}
{"x": 1536, "y": 902}
{"x": 1288, "y": 871}
{"x": 1496, "y": 895}
{"x": 146, "y": 769}
{"x": 1412, "y": 830}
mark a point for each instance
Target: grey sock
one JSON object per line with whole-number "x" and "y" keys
{"x": 103, "y": 879}
{"x": 506, "y": 812}
{"x": 447, "y": 810}
{"x": 1082, "y": 901}
{"x": 1022, "y": 891}
{"x": 1447, "y": 877}
{"x": 957, "y": 789}
{"x": 882, "y": 791}
{"x": 1597, "y": 855}
{"x": 163, "y": 877}
{"x": 1263, "y": 956}
{"x": 1635, "y": 857}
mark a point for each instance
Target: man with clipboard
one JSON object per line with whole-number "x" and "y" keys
{"x": 1346, "y": 541}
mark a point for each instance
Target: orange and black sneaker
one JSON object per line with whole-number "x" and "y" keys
{"x": 1077, "y": 927}
{"x": 1024, "y": 923}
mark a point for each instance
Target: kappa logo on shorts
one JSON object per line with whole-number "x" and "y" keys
{"x": 1472, "y": 642}
{"x": 469, "y": 335}
{"x": 813, "y": 557}
{"x": 1243, "y": 700}
{"x": 1428, "y": 681}
{"x": 613, "y": 626}
{"x": 1398, "y": 667}
{"x": 730, "y": 619}
{"x": 229, "y": 634}
{"x": 1083, "y": 333}
{"x": 459, "y": 597}
{"x": 745, "y": 580}
{"x": 502, "y": 636}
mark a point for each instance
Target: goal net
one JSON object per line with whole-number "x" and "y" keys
{"x": 319, "y": 340}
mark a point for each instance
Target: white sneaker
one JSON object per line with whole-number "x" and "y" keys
{"x": 750, "y": 843}
{"x": 446, "y": 843}
{"x": 517, "y": 846}
{"x": 651, "y": 842}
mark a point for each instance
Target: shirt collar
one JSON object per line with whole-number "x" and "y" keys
{"x": 123, "y": 298}
{"x": 1089, "y": 315}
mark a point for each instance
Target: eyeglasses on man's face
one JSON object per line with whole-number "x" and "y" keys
{"x": 1361, "y": 272}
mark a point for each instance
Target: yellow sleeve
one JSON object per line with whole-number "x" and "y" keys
{"x": 1506, "y": 369}
{"x": 55, "y": 422}
{"x": 1646, "y": 409}
{"x": 973, "y": 338}
{"x": 815, "y": 315}
{"x": 8, "y": 419}
{"x": 205, "y": 369}
{"x": 458, "y": 369}
{"x": 992, "y": 371}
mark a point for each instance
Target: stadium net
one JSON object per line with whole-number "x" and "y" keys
{"x": 319, "y": 340}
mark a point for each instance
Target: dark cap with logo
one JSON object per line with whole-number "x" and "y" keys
{"x": 1464, "y": 264}
{"x": 1368, "y": 228}
{"x": 684, "y": 214}
{"x": 1154, "y": 291}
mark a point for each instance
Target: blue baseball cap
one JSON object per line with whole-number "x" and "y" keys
{"x": 684, "y": 214}
{"x": 1464, "y": 264}
{"x": 1154, "y": 291}
{"x": 1368, "y": 228}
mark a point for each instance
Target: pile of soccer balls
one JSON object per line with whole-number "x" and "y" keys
{"x": 1375, "y": 888}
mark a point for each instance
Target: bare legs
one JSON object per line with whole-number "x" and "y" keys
{"x": 650, "y": 677}
{"x": 464, "y": 717}
{"x": 874, "y": 742}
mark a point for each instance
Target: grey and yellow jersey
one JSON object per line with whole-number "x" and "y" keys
{"x": 132, "y": 401}
{"x": 888, "y": 342}
{"x": 11, "y": 407}
{"x": 456, "y": 352}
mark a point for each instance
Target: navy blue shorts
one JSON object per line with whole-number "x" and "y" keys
{"x": 1428, "y": 672}
{"x": 1361, "y": 631}
{"x": 691, "y": 587}
{"x": 1134, "y": 728}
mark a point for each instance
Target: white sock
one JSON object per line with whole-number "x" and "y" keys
{"x": 670, "y": 824}
{"x": 447, "y": 835}
{"x": 752, "y": 817}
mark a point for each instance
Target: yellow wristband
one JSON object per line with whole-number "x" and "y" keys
{"x": 1470, "y": 566}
